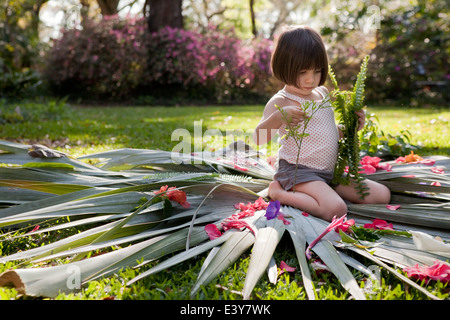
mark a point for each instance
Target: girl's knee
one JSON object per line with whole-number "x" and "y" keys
{"x": 333, "y": 209}
{"x": 379, "y": 195}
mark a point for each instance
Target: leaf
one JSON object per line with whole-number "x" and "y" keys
{"x": 265, "y": 244}
{"x": 328, "y": 254}
{"x": 299, "y": 240}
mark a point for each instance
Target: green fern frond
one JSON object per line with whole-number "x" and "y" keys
{"x": 358, "y": 89}
{"x": 345, "y": 104}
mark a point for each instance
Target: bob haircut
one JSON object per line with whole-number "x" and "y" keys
{"x": 297, "y": 49}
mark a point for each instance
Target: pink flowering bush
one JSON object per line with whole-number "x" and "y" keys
{"x": 105, "y": 59}
{"x": 119, "y": 58}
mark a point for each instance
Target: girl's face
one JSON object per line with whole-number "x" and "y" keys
{"x": 308, "y": 80}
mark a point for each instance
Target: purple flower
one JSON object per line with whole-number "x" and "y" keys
{"x": 272, "y": 210}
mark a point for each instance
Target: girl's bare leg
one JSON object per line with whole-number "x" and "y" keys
{"x": 378, "y": 193}
{"x": 314, "y": 197}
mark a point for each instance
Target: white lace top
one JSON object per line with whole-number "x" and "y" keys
{"x": 320, "y": 149}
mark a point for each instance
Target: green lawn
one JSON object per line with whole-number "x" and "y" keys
{"x": 85, "y": 130}
{"x": 81, "y": 130}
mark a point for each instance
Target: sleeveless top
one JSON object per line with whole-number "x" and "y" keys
{"x": 319, "y": 150}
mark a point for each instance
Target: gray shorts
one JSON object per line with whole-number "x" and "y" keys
{"x": 286, "y": 171}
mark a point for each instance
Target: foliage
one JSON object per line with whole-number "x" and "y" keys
{"x": 118, "y": 58}
{"x": 105, "y": 59}
{"x": 19, "y": 49}
{"x": 375, "y": 142}
{"x": 346, "y": 103}
{"x": 32, "y": 112}
{"x": 413, "y": 46}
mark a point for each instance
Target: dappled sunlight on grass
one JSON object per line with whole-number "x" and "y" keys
{"x": 429, "y": 128}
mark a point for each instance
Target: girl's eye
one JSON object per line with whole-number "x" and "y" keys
{"x": 318, "y": 71}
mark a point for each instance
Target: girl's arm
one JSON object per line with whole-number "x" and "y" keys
{"x": 272, "y": 119}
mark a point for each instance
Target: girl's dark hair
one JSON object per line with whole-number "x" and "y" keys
{"x": 298, "y": 49}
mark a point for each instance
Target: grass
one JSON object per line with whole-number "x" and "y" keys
{"x": 81, "y": 130}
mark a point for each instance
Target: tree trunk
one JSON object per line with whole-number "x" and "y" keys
{"x": 252, "y": 16}
{"x": 165, "y": 13}
{"x": 108, "y": 7}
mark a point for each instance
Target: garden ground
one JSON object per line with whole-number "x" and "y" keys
{"x": 84, "y": 130}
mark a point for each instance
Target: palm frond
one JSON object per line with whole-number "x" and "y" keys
{"x": 116, "y": 204}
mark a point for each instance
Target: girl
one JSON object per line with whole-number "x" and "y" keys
{"x": 300, "y": 62}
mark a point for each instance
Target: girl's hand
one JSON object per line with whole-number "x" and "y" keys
{"x": 361, "y": 118}
{"x": 293, "y": 115}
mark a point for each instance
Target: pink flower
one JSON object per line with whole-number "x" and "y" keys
{"x": 393, "y": 207}
{"x": 379, "y": 224}
{"x": 212, "y": 231}
{"x": 371, "y": 164}
{"x": 334, "y": 223}
{"x": 305, "y": 214}
{"x": 428, "y": 162}
{"x": 436, "y": 183}
{"x": 240, "y": 168}
{"x": 368, "y": 169}
{"x": 285, "y": 267}
{"x": 281, "y": 217}
{"x": 236, "y": 224}
{"x": 437, "y": 170}
{"x": 439, "y": 271}
{"x": 345, "y": 226}
{"x": 36, "y": 228}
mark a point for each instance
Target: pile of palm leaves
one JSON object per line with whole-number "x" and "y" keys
{"x": 117, "y": 200}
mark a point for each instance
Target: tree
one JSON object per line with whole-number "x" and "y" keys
{"x": 108, "y": 7}
{"x": 165, "y": 13}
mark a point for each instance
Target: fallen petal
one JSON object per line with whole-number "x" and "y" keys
{"x": 393, "y": 207}
{"x": 212, "y": 231}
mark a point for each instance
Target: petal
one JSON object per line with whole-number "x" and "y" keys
{"x": 272, "y": 210}
{"x": 428, "y": 162}
{"x": 281, "y": 217}
{"x": 212, "y": 231}
{"x": 385, "y": 166}
{"x": 368, "y": 169}
{"x": 437, "y": 170}
{"x": 393, "y": 207}
{"x": 285, "y": 267}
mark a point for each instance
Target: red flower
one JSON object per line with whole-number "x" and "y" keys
{"x": 179, "y": 196}
{"x": 212, "y": 231}
{"x": 379, "y": 224}
{"x": 174, "y": 194}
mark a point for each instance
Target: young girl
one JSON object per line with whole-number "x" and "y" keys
{"x": 300, "y": 62}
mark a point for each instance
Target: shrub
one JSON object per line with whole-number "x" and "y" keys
{"x": 104, "y": 59}
{"x": 120, "y": 59}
